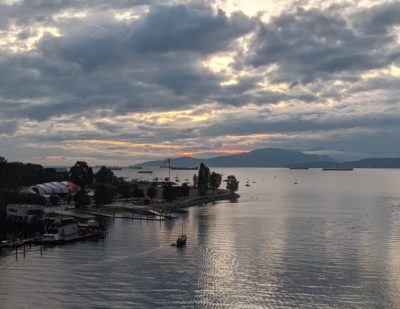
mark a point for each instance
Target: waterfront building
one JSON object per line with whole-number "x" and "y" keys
{"x": 27, "y": 213}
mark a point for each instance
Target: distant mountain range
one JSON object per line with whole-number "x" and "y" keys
{"x": 365, "y": 163}
{"x": 268, "y": 157}
{"x": 276, "y": 157}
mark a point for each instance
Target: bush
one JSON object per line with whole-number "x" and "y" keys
{"x": 138, "y": 193}
{"x": 152, "y": 192}
{"x": 104, "y": 194}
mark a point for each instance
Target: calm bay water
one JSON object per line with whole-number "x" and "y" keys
{"x": 330, "y": 241}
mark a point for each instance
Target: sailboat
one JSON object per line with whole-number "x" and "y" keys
{"x": 181, "y": 241}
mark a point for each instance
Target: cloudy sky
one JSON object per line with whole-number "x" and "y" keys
{"x": 122, "y": 81}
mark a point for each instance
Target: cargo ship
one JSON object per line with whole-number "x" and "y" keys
{"x": 337, "y": 169}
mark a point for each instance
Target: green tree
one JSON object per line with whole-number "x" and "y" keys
{"x": 123, "y": 187}
{"x": 104, "y": 175}
{"x": 81, "y": 174}
{"x": 215, "y": 181}
{"x": 48, "y": 175}
{"x": 104, "y": 194}
{"x": 185, "y": 189}
{"x": 232, "y": 184}
{"x": 81, "y": 199}
{"x": 138, "y": 193}
{"x": 194, "y": 181}
{"x": 203, "y": 179}
{"x": 169, "y": 193}
{"x": 54, "y": 199}
{"x": 152, "y": 192}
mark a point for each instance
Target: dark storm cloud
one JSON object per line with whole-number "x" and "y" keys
{"x": 154, "y": 62}
{"x": 165, "y": 29}
{"x": 172, "y": 28}
{"x": 306, "y": 45}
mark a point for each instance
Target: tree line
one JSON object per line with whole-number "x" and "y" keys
{"x": 14, "y": 175}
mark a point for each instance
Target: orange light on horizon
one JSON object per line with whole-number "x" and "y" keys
{"x": 129, "y": 144}
{"x": 55, "y": 158}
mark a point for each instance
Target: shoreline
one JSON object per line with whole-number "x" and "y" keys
{"x": 200, "y": 200}
{"x": 157, "y": 210}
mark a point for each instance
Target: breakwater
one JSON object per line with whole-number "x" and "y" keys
{"x": 201, "y": 200}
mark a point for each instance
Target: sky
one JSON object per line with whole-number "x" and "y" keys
{"x": 121, "y": 82}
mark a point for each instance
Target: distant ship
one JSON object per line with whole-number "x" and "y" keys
{"x": 298, "y": 168}
{"x": 194, "y": 168}
{"x": 145, "y": 172}
{"x": 337, "y": 169}
{"x": 136, "y": 167}
{"x": 114, "y": 168}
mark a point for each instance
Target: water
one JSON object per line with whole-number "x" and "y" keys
{"x": 330, "y": 241}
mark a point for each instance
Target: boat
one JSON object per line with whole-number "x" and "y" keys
{"x": 50, "y": 239}
{"x": 3, "y": 244}
{"x": 337, "y": 169}
{"x": 145, "y": 172}
{"x": 66, "y": 229}
{"x": 135, "y": 167}
{"x": 181, "y": 240}
{"x": 11, "y": 244}
{"x": 114, "y": 168}
{"x": 185, "y": 168}
{"x": 298, "y": 168}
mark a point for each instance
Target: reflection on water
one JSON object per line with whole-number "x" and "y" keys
{"x": 331, "y": 241}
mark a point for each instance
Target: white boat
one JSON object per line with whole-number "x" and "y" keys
{"x": 50, "y": 239}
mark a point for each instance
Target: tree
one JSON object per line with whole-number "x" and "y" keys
{"x": 231, "y": 183}
{"x": 203, "y": 179}
{"x": 123, "y": 187}
{"x": 215, "y": 181}
{"x": 169, "y": 193}
{"x": 81, "y": 199}
{"x": 194, "y": 181}
{"x": 48, "y": 175}
{"x": 104, "y": 175}
{"x": 152, "y": 192}
{"x": 185, "y": 189}
{"x": 54, "y": 199}
{"x": 81, "y": 174}
{"x": 104, "y": 194}
{"x": 138, "y": 193}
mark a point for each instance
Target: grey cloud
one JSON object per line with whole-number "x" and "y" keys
{"x": 300, "y": 123}
{"x": 8, "y": 127}
{"x": 164, "y": 29}
{"x": 151, "y": 63}
{"x": 317, "y": 44}
{"x": 196, "y": 29}
{"x": 379, "y": 19}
